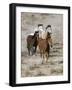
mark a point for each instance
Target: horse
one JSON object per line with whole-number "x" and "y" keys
{"x": 50, "y": 42}
{"x": 32, "y": 43}
{"x": 44, "y": 46}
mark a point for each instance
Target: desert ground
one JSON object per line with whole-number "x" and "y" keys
{"x": 31, "y": 66}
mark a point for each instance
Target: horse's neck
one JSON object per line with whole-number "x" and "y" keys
{"x": 44, "y": 35}
{"x": 34, "y": 38}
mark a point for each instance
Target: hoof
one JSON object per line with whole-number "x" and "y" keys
{"x": 43, "y": 62}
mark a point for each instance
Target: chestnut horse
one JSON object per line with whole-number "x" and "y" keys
{"x": 44, "y": 46}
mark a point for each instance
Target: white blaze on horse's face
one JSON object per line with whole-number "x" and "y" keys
{"x": 40, "y": 28}
{"x": 49, "y": 29}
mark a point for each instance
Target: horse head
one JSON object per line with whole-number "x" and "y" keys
{"x": 36, "y": 35}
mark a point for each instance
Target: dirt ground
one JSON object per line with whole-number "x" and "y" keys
{"x": 32, "y": 65}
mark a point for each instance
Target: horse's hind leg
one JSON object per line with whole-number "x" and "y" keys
{"x": 48, "y": 49}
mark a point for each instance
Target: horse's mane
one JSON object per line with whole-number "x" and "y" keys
{"x": 35, "y": 34}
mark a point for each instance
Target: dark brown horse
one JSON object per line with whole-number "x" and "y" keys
{"x": 32, "y": 43}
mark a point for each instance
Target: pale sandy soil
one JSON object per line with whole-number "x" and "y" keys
{"x": 32, "y": 65}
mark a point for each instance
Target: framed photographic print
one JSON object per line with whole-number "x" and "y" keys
{"x": 39, "y": 44}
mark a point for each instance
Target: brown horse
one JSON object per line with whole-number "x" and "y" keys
{"x": 44, "y": 47}
{"x": 32, "y": 43}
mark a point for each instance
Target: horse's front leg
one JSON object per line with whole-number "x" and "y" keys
{"x": 28, "y": 51}
{"x": 40, "y": 53}
{"x": 35, "y": 49}
{"x": 44, "y": 58}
